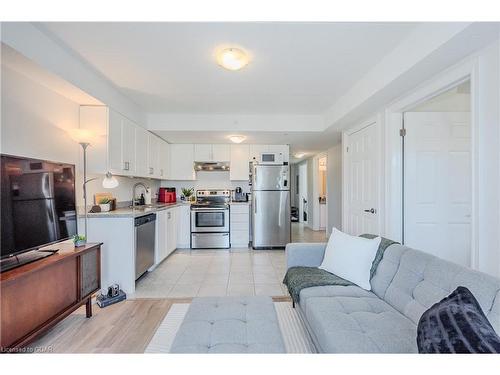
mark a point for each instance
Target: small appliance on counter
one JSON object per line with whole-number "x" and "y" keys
{"x": 167, "y": 195}
{"x": 239, "y": 195}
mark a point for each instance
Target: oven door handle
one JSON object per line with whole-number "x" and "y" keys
{"x": 210, "y": 209}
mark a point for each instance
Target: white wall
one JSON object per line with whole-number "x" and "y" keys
{"x": 334, "y": 188}
{"x": 487, "y": 141}
{"x": 35, "y": 121}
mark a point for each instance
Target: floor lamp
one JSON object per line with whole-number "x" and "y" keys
{"x": 83, "y": 137}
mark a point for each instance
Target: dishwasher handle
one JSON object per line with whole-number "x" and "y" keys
{"x": 141, "y": 220}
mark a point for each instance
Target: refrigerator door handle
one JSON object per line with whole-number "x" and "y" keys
{"x": 255, "y": 205}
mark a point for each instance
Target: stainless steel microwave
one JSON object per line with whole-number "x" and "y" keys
{"x": 271, "y": 158}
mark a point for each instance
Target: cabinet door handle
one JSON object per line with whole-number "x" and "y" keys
{"x": 126, "y": 166}
{"x": 371, "y": 210}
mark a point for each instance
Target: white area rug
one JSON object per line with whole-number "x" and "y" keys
{"x": 293, "y": 330}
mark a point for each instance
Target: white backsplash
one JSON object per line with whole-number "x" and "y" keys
{"x": 208, "y": 180}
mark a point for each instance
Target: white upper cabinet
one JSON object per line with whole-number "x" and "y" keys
{"x": 239, "y": 168}
{"x": 164, "y": 163}
{"x": 115, "y": 142}
{"x": 128, "y": 147}
{"x": 154, "y": 156}
{"x": 121, "y": 144}
{"x": 122, "y": 147}
{"x": 211, "y": 153}
{"x": 141, "y": 152}
{"x": 221, "y": 152}
{"x": 202, "y": 152}
{"x": 181, "y": 162}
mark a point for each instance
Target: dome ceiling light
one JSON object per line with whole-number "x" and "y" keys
{"x": 237, "y": 138}
{"x": 232, "y": 58}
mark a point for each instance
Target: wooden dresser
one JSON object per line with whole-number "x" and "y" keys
{"x": 36, "y": 296}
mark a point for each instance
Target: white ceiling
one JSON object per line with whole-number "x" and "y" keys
{"x": 296, "y": 68}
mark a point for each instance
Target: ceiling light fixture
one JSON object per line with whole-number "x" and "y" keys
{"x": 232, "y": 58}
{"x": 299, "y": 155}
{"x": 237, "y": 138}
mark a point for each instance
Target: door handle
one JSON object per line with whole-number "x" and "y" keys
{"x": 255, "y": 203}
{"x": 371, "y": 210}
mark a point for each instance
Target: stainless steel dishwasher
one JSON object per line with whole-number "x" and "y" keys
{"x": 144, "y": 243}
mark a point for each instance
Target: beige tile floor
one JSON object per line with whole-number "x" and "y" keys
{"x": 235, "y": 272}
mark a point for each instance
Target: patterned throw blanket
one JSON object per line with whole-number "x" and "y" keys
{"x": 298, "y": 278}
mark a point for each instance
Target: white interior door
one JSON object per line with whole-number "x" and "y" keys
{"x": 362, "y": 186}
{"x": 438, "y": 181}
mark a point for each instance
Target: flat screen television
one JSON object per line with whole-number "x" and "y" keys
{"x": 37, "y": 204}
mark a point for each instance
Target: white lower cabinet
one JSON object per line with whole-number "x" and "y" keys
{"x": 240, "y": 225}
{"x": 184, "y": 225}
{"x": 161, "y": 236}
{"x": 171, "y": 230}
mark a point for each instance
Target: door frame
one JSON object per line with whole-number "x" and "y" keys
{"x": 372, "y": 121}
{"x": 303, "y": 180}
{"x": 316, "y": 208}
{"x": 394, "y": 151}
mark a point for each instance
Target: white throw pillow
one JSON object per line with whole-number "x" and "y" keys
{"x": 350, "y": 257}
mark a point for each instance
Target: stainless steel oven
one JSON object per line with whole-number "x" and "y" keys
{"x": 210, "y": 220}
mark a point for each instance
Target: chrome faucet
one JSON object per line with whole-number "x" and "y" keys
{"x": 133, "y": 191}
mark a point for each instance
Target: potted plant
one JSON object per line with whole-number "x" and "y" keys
{"x": 105, "y": 204}
{"x": 187, "y": 193}
{"x": 79, "y": 240}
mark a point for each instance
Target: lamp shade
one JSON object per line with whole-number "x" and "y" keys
{"x": 110, "y": 181}
{"x": 81, "y": 135}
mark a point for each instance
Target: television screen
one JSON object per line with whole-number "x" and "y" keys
{"x": 38, "y": 203}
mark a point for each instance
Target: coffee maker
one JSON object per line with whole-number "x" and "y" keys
{"x": 239, "y": 195}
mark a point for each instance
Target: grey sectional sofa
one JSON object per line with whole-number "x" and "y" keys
{"x": 348, "y": 319}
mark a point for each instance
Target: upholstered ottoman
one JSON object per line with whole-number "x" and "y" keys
{"x": 229, "y": 325}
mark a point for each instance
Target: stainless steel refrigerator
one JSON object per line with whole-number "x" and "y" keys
{"x": 33, "y": 208}
{"x": 270, "y": 217}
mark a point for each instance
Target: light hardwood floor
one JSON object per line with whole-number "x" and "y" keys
{"x": 126, "y": 327}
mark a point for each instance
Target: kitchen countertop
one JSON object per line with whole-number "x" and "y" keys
{"x": 136, "y": 212}
{"x": 141, "y": 211}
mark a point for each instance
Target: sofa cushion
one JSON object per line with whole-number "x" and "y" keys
{"x": 411, "y": 281}
{"x": 352, "y": 320}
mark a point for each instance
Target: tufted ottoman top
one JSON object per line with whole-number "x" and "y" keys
{"x": 229, "y": 325}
